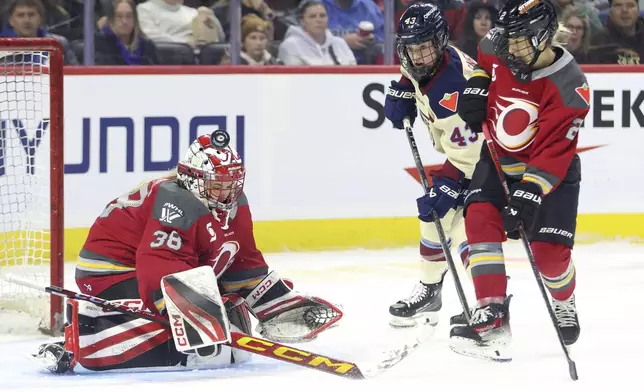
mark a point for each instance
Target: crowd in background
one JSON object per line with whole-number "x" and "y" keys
{"x": 294, "y": 32}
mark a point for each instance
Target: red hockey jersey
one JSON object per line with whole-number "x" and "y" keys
{"x": 534, "y": 122}
{"x": 162, "y": 228}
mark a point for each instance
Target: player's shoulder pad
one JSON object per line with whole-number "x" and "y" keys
{"x": 447, "y": 86}
{"x": 485, "y": 45}
{"x": 571, "y": 83}
{"x": 176, "y": 206}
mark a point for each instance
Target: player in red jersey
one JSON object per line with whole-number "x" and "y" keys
{"x": 534, "y": 97}
{"x": 196, "y": 217}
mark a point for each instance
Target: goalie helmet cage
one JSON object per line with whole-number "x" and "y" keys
{"x": 31, "y": 179}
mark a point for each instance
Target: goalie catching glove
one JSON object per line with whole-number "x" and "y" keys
{"x": 288, "y": 316}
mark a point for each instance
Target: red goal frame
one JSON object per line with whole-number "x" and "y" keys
{"x": 56, "y": 196}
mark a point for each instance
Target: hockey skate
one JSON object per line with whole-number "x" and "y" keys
{"x": 567, "y": 319}
{"x": 488, "y": 332}
{"x": 460, "y": 319}
{"x": 54, "y": 357}
{"x": 420, "y": 308}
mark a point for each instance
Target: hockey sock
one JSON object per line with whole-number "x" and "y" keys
{"x": 485, "y": 234}
{"x": 556, "y": 267}
{"x": 433, "y": 261}
{"x": 464, "y": 252}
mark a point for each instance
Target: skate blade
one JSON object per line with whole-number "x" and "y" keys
{"x": 419, "y": 320}
{"x": 472, "y": 349}
{"x": 44, "y": 362}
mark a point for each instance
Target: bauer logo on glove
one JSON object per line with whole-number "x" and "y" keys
{"x": 400, "y": 103}
{"x": 401, "y": 94}
{"x": 443, "y": 196}
{"x": 449, "y": 191}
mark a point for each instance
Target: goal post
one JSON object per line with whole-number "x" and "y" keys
{"x": 31, "y": 180}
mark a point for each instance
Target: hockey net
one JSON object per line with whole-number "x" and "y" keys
{"x": 31, "y": 183}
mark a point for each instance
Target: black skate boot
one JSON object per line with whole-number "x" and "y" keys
{"x": 488, "y": 332}
{"x": 460, "y": 319}
{"x": 54, "y": 357}
{"x": 567, "y": 319}
{"x": 421, "y": 307}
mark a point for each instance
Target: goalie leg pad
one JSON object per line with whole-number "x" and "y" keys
{"x": 100, "y": 340}
{"x": 288, "y": 316}
{"x": 104, "y": 340}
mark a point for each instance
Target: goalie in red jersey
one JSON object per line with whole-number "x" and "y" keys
{"x": 534, "y": 97}
{"x": 182, "y": 246}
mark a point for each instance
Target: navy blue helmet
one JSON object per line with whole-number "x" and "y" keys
{"x": 421, "y": 40}
{"x": 524, "y": 28}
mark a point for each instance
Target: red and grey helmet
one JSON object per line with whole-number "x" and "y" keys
{"x": 214, "y": 174}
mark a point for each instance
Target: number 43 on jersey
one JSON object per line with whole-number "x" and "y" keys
{"x": 463, "y": 138}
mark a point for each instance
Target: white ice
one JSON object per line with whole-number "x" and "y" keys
{"x": 610, "y": 286}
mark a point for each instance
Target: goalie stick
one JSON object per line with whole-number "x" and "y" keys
{"x": 437, "y": 221}
{"x": 252, "y": 344}
{"x": 572, "y": 367}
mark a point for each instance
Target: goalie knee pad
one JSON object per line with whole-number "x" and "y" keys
{"x": 239, "y": 319}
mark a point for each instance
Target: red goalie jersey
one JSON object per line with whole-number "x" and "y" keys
{"x": 535, "y": 123}
{"x": 160, "y": 229}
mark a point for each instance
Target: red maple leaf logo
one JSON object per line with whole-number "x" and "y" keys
{"x": 584, "y": 93}
{"x": 412, "y": 171}
{"x": 449, "y": 101}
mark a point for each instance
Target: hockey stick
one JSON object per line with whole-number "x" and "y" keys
{"x": 437, "y": 221}
{"x": 241, "y": 341}
{"x": 572, "y": 367}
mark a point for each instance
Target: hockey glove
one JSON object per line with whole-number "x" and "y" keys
{"x": 400, "y": 102}
{"x": 445, "y": 194}
{"x": 285, "y": 315}
{"x": 523, "y": 206}
{"x": 472, "y": 107}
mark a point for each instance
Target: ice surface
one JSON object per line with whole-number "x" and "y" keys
{"x": 610, "y": 286}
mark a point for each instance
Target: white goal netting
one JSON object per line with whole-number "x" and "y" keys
{"x": 25, "y": 184}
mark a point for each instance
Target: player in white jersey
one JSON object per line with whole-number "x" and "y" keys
{"x": 434, "y": 74}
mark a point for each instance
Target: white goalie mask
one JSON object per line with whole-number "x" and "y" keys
{"x": 213, "y": 175}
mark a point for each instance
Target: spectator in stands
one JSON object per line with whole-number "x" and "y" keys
{"x": 625, "y": 30}
{"x": 26, "y": 21}
{"x": 312, "y": 43}
{"x": 256, "y": 7}
{"x": 479, "y": 20}
{"x": 254, "y": 36}
{"x": 120, "y": 41}
{"x": 579, "y": 33}
{"x": 345, "y": 17}
{"x": 171, "y": 21}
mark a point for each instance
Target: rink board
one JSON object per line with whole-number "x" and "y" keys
{"x": 325, "y": 170}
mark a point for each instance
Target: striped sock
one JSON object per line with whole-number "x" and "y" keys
{"x": 561, "y": 287}
{"x": 487, "y": 267}
{"x": 433, "y": 261}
